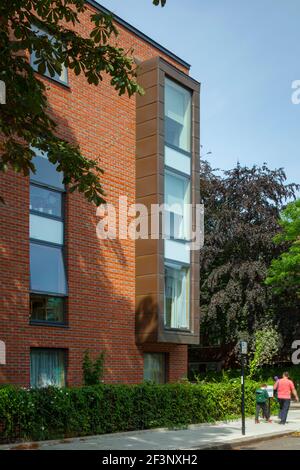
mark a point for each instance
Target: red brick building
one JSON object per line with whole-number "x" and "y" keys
{"x": 62, "y": 289}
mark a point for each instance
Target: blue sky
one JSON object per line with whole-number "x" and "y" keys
{"x": 246, "y": 56}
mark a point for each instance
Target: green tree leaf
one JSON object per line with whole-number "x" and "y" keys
{"x": 284, "y": 272}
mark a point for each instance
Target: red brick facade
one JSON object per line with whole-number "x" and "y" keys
{"x": 101, "y": 274}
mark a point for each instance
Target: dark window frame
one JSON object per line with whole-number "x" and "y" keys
{"x": 47, "y": 322}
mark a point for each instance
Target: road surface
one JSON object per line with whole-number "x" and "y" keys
{"x": 283, "y": 443}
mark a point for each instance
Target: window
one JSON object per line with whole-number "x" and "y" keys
{"x": 48, "y": 282}
{"x": 45, "y": 229}
{"x": 47, "y": 367}
{"x": 178, "y": 137}
{"x": 177, "y": 286}
{"x": 45, "y": 201}
{"x": 177, "y": 198}
{"x": 46, "y": 173}
{"x": 177, "y": 160}
{"x": 46, "y": 308}
{"x": 155, "y": 367}
{"x": 177, "y": 116}
{"x": 47, "y": 271}
{"x": 63, "y": 76}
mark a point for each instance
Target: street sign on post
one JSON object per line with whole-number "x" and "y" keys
{"x": 243, "y": 351}
{"x": 244, "y": 347}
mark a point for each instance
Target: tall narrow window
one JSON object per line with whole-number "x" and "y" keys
{"x": 177, "y": 197}
{"x": 177, "y": 296}
{"x": 47, "y": 368}
{"x": 48, "y": 283}
{"x": 177, "y": 116}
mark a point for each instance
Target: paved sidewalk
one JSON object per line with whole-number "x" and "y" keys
{"x": 194, "y": 437}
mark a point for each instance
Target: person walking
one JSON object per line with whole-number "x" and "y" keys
{"x": 262, "y": 398}
{"x": 284, "y": 388}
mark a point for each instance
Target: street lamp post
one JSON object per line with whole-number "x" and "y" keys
{"x": 243, "y": 351}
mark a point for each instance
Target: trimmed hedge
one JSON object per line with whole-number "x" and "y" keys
{"x": 264, "y": 374}
{"x": 53, "y": 413}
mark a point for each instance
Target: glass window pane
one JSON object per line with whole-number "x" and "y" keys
{"x": 47, "y": 271}
{"x": 63, "y": 77}
{"x": 177, "y": 116}
{"x": 176, "y": 296}
{"x": 48, "y": 230}
{"x": 176, "y": 189}
{"x": 46, "y": 173}
{"x": 177, "y": 160}
{"x": 177, "y": 251}
{"x": 47, "y": 368}
{"x": 45, "y": 201}
{"x": 155, "y": 367}
{"x": 44, "y": 308}
{"x": 177, "y": 198}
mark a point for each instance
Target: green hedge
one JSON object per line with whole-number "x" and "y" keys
{"x": 264, "y": 374}
{"x": 53, "y": 413}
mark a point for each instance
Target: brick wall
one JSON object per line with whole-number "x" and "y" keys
{"x": 101, "y": 274}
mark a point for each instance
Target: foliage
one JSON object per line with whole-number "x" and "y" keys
{"x": 267, "y": 374}
{"x": 25, "y": 119}
{"x": 92, "y": 371}
{"x": 54, "y": 413}
{"x": 266, "y": 345}
{"x": 284, "y": 273}
{"x": 241, "y": 218}
{"x": 213, "y": 376}
{"x": 264, "y": 374}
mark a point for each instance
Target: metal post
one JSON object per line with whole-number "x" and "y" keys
{"x": 243, "y": 395}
